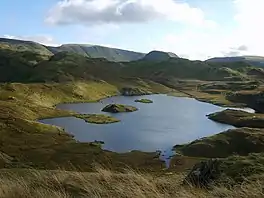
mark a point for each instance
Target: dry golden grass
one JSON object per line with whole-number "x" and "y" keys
{"x": 104, "y": 183}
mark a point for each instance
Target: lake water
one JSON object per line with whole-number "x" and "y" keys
{"x": 157, "y": 126}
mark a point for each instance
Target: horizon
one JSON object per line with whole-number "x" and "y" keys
{"x": 193, "y": 29}
{"x": 91, "y": 45}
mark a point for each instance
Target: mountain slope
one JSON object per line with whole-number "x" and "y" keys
{"x": 16, "y": 66}
{"x": 159, "y": 56}
{"x": 181, "y": 68}
{"x": 68, "y": 66}
{"x": 93, "y": 51}
{"x": 77, "y": 62}
{"x": 20, "y": 45}
{"x": 253, "y": 60}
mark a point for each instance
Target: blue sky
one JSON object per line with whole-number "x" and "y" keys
{"x": 196, "y": 29}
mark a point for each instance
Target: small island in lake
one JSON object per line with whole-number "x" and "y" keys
{"x": 144, "y": 101}
{"x": 97, "y": 118}
{"x": 118, "y": 108}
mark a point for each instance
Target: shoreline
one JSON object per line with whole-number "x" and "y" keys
{"x": 172, "y": 146}
{"x": 29, "y": 109}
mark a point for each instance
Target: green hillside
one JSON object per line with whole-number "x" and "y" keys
{"x": 68, "y": 66}
{"x": 20, "y": 45}
{"x": 159, "y": 56}
{"x": 93, "y": 51}
{"x": 36, "y": 157}
{"x": 252, "y": 60}
{"x": 182, "y": 68}
{"x": 16, "y": 66}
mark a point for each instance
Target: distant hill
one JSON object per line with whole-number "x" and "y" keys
{"x": 253, "y": 60}
{"x": 20, "y": 45}
{"x": 93, "y": 51}
{"x": 67, "y": 66}
{"x": 159, "y": 56}
{"x": 184, "y": 69}
{"x": 18, "y": 63}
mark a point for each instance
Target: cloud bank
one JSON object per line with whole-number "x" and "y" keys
{"x": 94, "y": 12}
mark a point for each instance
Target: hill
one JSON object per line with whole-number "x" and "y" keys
{"x": 159, "y": 56}
{"x": 20, "y": 45}
{"x": 32, "y": 84}
{"x": 93, "y": 51}
{"x": 252, "y": 60}
{"x": 67, "y": 66}
{"x": 18, "y": 66}
{"x": 183, "y": 69}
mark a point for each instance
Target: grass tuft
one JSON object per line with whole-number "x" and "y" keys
{"x": 105, "y": 183}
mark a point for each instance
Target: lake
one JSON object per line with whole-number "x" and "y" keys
{"x": 157, "y": 126}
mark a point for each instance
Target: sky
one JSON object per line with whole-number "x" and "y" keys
{"x": 194, "y": 29}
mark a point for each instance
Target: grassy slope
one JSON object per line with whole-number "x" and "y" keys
{"x": 252, "y": 98}
{"x": 104, "y": 183}
{"x": 22, "y": 46}
{"x": 238, "y": 118}
{"x": 27, "y": 143}
{"x": 110, "y": 54}
{"x": 93, "y": 51}
{"x": 240, "y": 141}
{"x": 28, "y": 102}
{"x": 180, "y": 68}
{"x": 22, "y": 63}
{"x": 45, "y": 146}
{"x": 252, "y": 60}
{"x": 65, "y": 66}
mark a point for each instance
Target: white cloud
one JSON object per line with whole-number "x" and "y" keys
{"x": 245, "y": 38}
{"x": 124, "y": 11}
{"x": 192, "y": 44}
{"x": 43, "y": 39}
{"x": 249, "y": 28}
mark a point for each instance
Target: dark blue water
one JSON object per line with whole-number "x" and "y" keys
{"x": 157, "y": 126}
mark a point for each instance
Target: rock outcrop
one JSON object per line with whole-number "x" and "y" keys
{"x": 159, "y": 56}
{"x": 204, "y": 173}
{"x": 118, "y": 108}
